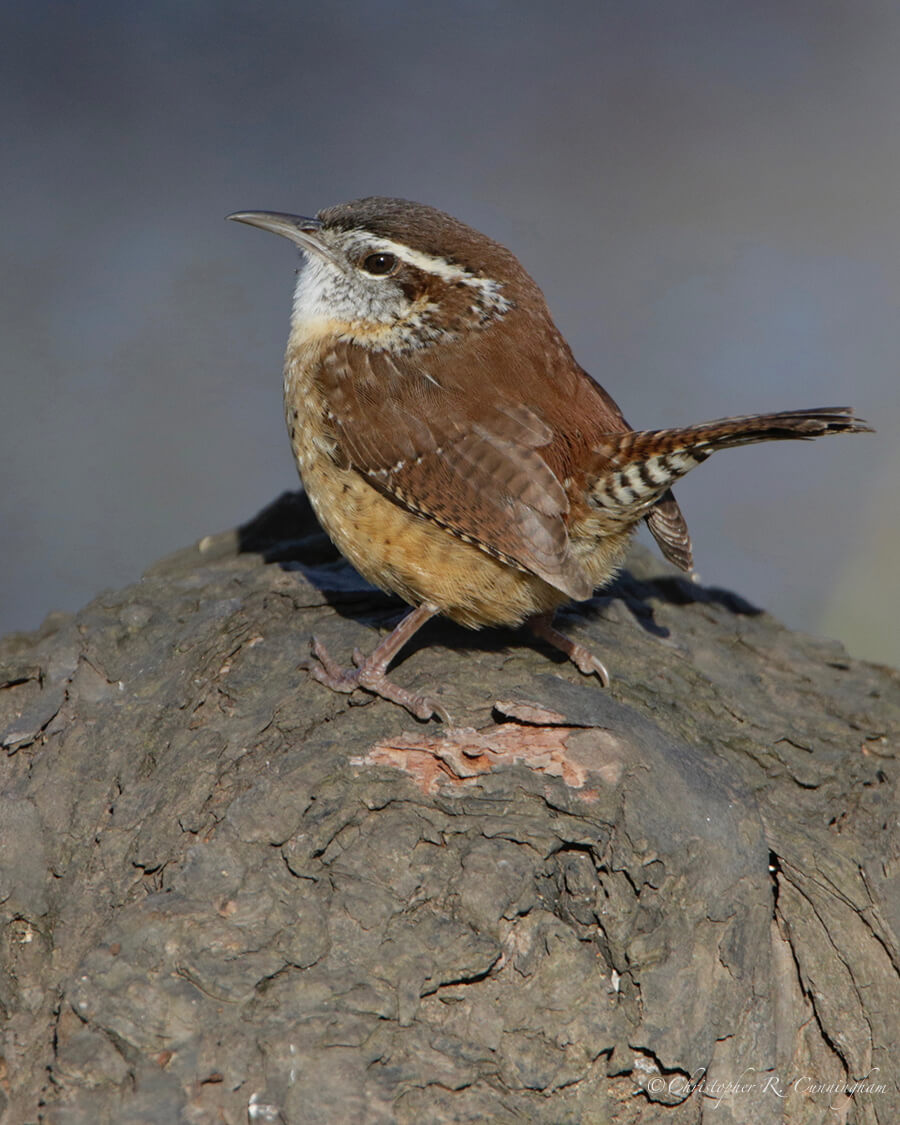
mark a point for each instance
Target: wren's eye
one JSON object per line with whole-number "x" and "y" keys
{"x": 380, "y": 265}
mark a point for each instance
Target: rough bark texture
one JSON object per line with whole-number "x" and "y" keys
{"x": 229, "y": 895}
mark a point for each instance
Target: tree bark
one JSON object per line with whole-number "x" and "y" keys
{"x": 228, "y": 894}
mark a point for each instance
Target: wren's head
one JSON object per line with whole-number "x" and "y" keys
{"x": 391, "y": 275}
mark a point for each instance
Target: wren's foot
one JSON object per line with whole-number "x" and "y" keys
{"x": 583, "y": 659}
{"x": 368, "y": 676}
{"x": 369, "y": 672}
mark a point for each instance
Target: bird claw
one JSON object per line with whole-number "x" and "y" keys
{"x": 590, "y": 665}
{"x": 369, "y": 676}
{"x": 329, "y": 672}
{"x": 582, "y": 657}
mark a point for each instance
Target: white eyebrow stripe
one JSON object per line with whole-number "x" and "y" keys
{"x": 489, "y": 291}
{"x": 440, "y": 267}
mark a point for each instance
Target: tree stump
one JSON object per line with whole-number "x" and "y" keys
{"x": 230, "y": 895}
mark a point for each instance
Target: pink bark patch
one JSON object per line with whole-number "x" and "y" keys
{"x": 462, "y": 754}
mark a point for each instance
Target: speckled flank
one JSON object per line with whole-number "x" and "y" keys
{"x": 418, "y": 560}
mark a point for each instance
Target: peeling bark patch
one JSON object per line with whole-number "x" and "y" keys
{"x": 525, "y": 711}
{"x": 463, "y": 753}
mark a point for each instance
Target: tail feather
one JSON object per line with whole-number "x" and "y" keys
{"x": 668, "y": 527}
{"x": 635, "y": 469}
{"x": 742, "y": 430}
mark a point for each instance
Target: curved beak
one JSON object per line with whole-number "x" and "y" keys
{"x": 299, "y": 229}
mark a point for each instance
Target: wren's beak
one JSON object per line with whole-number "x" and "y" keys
{"x": 298, "y": 228}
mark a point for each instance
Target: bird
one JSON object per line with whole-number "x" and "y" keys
{"x": 450, "y": 444}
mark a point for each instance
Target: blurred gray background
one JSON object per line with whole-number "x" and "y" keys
{"x": 708, "y": 193}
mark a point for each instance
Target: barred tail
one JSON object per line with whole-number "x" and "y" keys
{"x": 635, "y": 469}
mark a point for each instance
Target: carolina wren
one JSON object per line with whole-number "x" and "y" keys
{"x": 450, "y": 444}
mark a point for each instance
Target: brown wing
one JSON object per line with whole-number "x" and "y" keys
{"x": 468, "y": 460}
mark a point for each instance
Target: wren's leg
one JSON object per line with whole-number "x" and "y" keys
{"x": 369, "y": 672}
{"x": 583, "y": 659}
